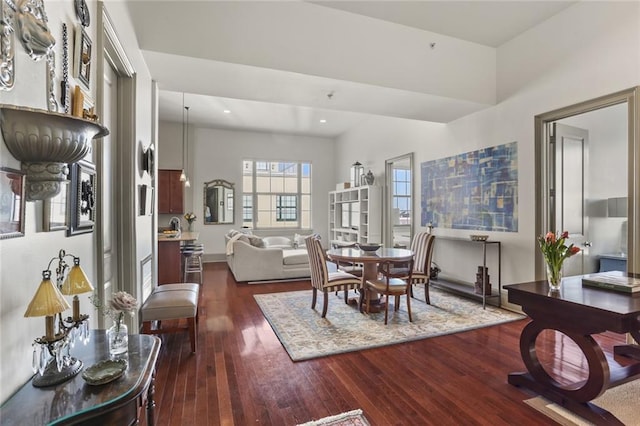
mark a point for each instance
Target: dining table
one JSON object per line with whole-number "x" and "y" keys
{"x": 370, "y": 261}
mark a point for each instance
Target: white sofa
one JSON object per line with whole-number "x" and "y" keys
{"x": 274, "y": 259}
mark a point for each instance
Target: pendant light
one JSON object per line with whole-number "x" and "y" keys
{"x": 187, "y": 184}
{"x": 183, "y": 176}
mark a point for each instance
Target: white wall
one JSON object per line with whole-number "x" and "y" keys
{"x": 605, "y": 60}
{"x": 23, "y": 259}
{"x": 218, "y": 154}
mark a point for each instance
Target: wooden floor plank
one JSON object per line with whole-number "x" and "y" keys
{"x": 241, "y": 374}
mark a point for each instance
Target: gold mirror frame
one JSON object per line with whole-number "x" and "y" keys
{"x": 218, "y": 202}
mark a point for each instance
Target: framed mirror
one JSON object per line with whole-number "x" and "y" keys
{"x": 219, "y": 196}
{"x": 11, "y": 203}
{"x": 399, "y": 201}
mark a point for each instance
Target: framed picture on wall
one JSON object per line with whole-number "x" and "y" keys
{"x": 55, "y": 210}
{"x": 12, "y": 203}
{"x": 82, "y": 198}
{"x": 82, "y": 57}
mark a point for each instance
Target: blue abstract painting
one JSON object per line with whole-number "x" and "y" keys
{"x": 476, "y": 190}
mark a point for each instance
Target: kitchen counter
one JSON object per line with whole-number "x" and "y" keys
{"x": 169, "y": 257}
{"x": 185, "y": 236}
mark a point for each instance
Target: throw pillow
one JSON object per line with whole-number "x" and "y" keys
{"x": 256, "y": 241}
{"x": 299, "y": 240}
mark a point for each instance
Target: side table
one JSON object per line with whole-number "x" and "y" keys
{"x": 76, "y": 402}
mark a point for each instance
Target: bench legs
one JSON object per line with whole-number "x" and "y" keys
{"x": 192, "y": 327}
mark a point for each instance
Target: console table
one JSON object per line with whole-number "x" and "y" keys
{"x": 76, "y": 402}
{"x": 578, "y": 312}
{"x": 468, "y": 289}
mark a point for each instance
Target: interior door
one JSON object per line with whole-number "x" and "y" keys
{"x": 570, "y": 166}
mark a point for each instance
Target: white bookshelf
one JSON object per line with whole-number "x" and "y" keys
{"x": 355, "y": 215}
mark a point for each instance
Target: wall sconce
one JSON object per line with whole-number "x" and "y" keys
{"x": 357, "y": 170}
{"x": 45, "y": 143}
{"x": 51, "y": 352}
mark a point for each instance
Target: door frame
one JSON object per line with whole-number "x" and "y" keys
{"x": 543, "y": 173}
{"x": 112, "y": 54}
{"x": 387, "y": 215}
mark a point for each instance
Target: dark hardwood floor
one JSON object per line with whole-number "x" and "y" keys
{"x": 241, "y": 374}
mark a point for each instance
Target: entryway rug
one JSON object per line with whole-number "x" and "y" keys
{"x": 622, "y": 401}
{"x": 305, "y": 335}
{"x": 351, "y": 418}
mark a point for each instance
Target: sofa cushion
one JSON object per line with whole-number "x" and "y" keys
{"x": 277, "y": 242}
{"x": 295, "y": 257}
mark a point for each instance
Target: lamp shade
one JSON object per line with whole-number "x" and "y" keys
{"x": 47, "y": 301}
{"x": 76, "y": 281}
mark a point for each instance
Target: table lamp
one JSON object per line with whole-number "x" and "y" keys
{"x": 51, "y": 357}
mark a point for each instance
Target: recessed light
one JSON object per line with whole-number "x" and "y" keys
{"x": 323, "y": 120}
{"x": 227, "y": 111}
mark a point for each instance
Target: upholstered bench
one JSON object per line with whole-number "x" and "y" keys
{"x": 172, "y": 302}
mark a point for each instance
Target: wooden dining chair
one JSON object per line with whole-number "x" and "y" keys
{"x": 422, "y": 247}
{"x": 325, "y": 281}
{"x": 388, "y": 285}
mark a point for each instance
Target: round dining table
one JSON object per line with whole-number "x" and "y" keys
{"x": 369, "y": 261}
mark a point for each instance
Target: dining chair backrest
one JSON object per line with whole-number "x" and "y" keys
{"x": 422, "y": 247}
{"x": 317, "y": 262}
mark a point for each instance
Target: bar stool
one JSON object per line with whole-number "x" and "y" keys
{"x": 192, "y": 259}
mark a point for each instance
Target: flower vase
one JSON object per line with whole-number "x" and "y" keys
{"x": 554, "y": 277}
{"x": 118, "y": 338}
{"x": 190, "y": 227}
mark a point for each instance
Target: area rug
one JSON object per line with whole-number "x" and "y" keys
{"x": 351, "y": 418}
{"x": 305, "y": 335}
{"x": 621, "y": 401}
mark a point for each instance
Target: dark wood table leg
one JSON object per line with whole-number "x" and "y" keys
{"x": 574, "y": 397}
{"x": 151, "y": 402}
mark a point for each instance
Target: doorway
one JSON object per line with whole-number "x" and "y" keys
{"x": 586, "y": 165}
{"x": 399, "y": 201}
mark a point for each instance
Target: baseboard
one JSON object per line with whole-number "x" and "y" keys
{"x": 214, "y": 257}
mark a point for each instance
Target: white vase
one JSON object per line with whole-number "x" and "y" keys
{"x": 118, "y": 338}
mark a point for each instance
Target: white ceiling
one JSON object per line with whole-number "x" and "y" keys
{"x": 287, "y": 102}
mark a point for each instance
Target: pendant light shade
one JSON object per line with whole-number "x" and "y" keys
{"x": 183, "y": 176}
{"x": 186, "y": 165}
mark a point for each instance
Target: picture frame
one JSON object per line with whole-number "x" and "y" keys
{"x": 12, "y": 203}
{"x": 82, "y": 198}
{"x": 82, "y": 57}
{"x": 146, "y": 200}
{"x": 55, "y": 210}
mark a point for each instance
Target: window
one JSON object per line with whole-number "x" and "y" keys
{"x": 402, "y": 195}
{"x": 276, "y": 194}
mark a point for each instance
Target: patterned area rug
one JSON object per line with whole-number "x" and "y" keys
{"x": 621, "y": 401}
{"x": 305, "y": 335}
{"x": 351, "y": 418}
